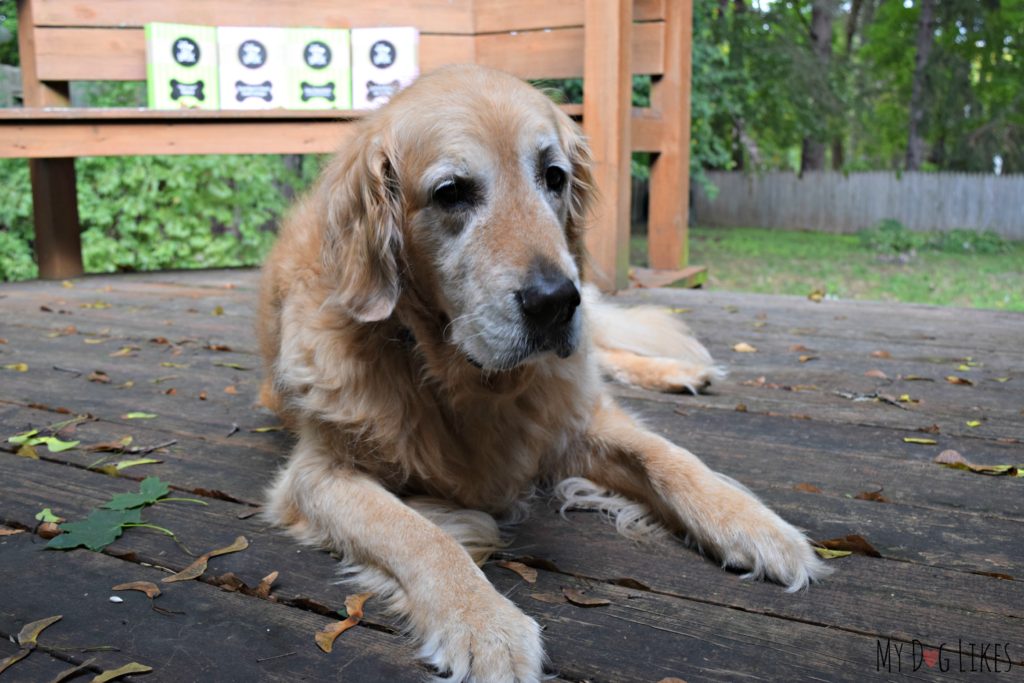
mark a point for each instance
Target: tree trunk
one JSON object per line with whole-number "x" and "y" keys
{"x": 918, "y": 89}
{"x": 812, "y": 154}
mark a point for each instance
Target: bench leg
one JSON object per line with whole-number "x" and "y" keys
{"x": 55, "y": 207}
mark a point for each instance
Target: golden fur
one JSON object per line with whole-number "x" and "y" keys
{"x": 391, "y": 329}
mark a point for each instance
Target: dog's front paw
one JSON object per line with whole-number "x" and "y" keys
{"x": 769, "y": 547}
{"x": 488, "y": 640}
{"x": 655, "y": 373}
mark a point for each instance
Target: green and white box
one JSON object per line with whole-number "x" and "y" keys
{"x": 384, "y": 60}
{"x": 181, "y": 66}
{"x": 253, "y": 67}
{"x": 319, "y": 69}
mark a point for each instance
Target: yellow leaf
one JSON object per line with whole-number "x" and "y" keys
{"x": 29, "y": 632}
{"x": 17, "y": 367}
{"x": 196, "y": 569}
{"x": 827, "y": 554}
{"x": 67, "y": 284}
{"x": 131, "y": 668}
{"x": 974, "y": 423}
{"x": 953, "y": 379}
{"x": 744, "y": 347}
{"x": 817, "y": 296}
{"x": 93, "y": 340}
{"x": 218, "y": 310}
{"x": 919, "y": 440}
{"x": 964, "y": 368}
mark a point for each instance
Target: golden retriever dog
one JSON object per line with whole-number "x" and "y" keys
{"x": 427, "y": 335}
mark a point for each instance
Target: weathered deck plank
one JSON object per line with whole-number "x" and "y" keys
{"x": 939, "y": 535}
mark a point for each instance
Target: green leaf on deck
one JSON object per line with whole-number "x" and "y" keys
{"x": 138, "y": 416}
{"x": 21, "y": 439}
{"x": 17, "y": 367}
{"x": 97, "y": 531}
{"x": 233, "y": 366}
{"x": 131, "y": 668}
{"x": 827, "y": 554}
{"x": 150, "y": 490}
{"x": 919, "y": 441}
{"x": 54, "y": 444}
{"x": 46, "y": 515}
{"x": 29, "y": 632}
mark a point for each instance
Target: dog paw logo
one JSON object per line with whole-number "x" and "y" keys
{"x": 382, "y": 54}
{"x": 252, "y": 54}
{"x": 257, "y": 91}
{"x": 179, "y": 90}
{"x": 185, "y": 51}
{"x": 317, "y": 55}
{"x": 381, "y": 91}
{"x": 311, "y": 92}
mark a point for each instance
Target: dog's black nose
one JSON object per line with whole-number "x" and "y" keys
{"x": 549, "y": 300}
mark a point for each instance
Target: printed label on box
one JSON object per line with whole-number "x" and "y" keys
{"x": 181, "y": 66}
{"x": 384, "y": 60}
{"x": 319, "y": 69}
{"x": 253, "y": 70}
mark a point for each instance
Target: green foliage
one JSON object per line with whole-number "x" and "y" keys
{"x": 97, "y": 531}
{"x": 150, "y": 490}
{"x": 9, "y": 32}
{"x": 892, "y": 237}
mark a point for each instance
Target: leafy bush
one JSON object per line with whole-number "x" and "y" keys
{"x": 892, "y": 237}
{"x": 152, "y": 213}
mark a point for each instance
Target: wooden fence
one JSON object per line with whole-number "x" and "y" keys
{"x": 833, "y": 202}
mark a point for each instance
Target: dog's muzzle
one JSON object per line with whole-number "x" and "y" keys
{"x": 548, "y": 303}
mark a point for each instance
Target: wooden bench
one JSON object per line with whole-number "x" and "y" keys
{"x": 604, "y": 41}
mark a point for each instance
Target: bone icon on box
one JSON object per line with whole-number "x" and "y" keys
{"x": 384, "y": 60}
{"x": 253, "y": 70}
{"x": 319, "y": 69}
{"x": 181, "y": 66}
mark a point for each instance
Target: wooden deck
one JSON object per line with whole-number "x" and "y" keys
{"x": 806, "y": 436}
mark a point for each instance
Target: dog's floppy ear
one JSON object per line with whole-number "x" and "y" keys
{"x": 363, "y": 236}
{"x": 583, "y": 192}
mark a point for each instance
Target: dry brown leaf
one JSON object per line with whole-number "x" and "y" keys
{"x": 807, "y": 488}
{"x": 875, "y": 496}
{"x": 580, "y": 600}
{"x": 263, "y": 590}
{"x": 98, "y": 376}
{"x": 951, "y": 458}
{"x": 217, "y": 347}
{"x": 149, "y": 588}
{"x": 196, "y": 569}
{"x": 853, "y": 543}
{"x": 231, "y": 389}
{"x": 326, "y": 636}
{"x": 798, "y": 348}
{"x": 881, "y": 354}
{"x": 744, "y": 347}
{"x": 29, "y": 632}
{"x": 549, "y": 598}
{"x": 741, "y": 407}
{"x": 930, "y": 429}
{"x": 11, "y": 532}
{"x": 528, "y": 574}
{"x": 805, "y": 358}
{"x": 73, "y": 671}
{"x": 111, "y": 446}
{"x": 877, "y": 374}
{"x": 671, "y": 679}
{"x": 13, "y": 659}
{"x": 953, "y": 379}
{"x": 124, "y": 351}
{"x": 171, "y": 392}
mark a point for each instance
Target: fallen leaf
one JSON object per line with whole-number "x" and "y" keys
{"x": 877, "y": 374}
{"x": 111, "y": 446}
{"x": 528, "y": 574}
{"x": 827, "y": 554}
{"x": 151, "y": 489}
{"x": 11, "y": 532}
{"x": 138, "y": 416}
{"x": 29, "y": 632}
{"x": 671, "y": 679}
{"x": 881, "y": 354}
{"x": 973, "y": 423}
{"x": 124, "y": 351}
{"x": 95, "y": 305}
{"x": 580, "y": 600}
{"x": 127, "y": 385}
{"x": 115, "y": 467}
{"x": 8, "y": 662}
{"x": 217, "y": 347}
{"x": 906, "y": 398}
{"x": 916, "y": 378}
{"x": 55, "y": 445}
{"x": 920, "y": 441}
{"x": 231, "y": 389}
{"x": 95, "y": 532}
{"x": 550, "y": 598}
{"x": 953, "y": 379}
{"x": 953, "y": 459}
{"x": 67, "y": 284}
{"x": 875, "y": 496}
{"x": 73, "y": 671}
{"x": 17, "y": 367}
{"x": 744, "y": 347}
{"x": 196, "y": 569}
{"x": 804, "y": 359}
{"x": 93, "y": 340}
{"x": 98, "y": 376}
{"x": 148, "y": 587}
{"x": 27, "y": 451}
{"x": 931, "y": 429}
{"x": 218, "y": 310}
{"x": 807, "y": 488}
{"x": 264, "y": 430}
{"x": 1001, "y": 380}
{"x": 131, "y": 668}
{"x": 326, "y": 636}
{"x": 741, "y": 407}
{"x": 46, "y": 515}
{"x": 19, "y": 439}
{"x": 817, "y": 296}
{"x": 759, "y": 324}
{"x": 169, "y": 364}
{"x": 854, "y": 543}
{"x": 263, "y": 590}
{"x": 233, "y": 366}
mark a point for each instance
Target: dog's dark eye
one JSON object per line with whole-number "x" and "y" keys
{"x": 454, "y": 193}
{"x": 554, "y": 177}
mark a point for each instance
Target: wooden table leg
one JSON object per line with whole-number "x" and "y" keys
{"x": 55, "y": 206}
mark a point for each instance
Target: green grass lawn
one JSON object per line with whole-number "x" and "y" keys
{"x": 847, "y": 267}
